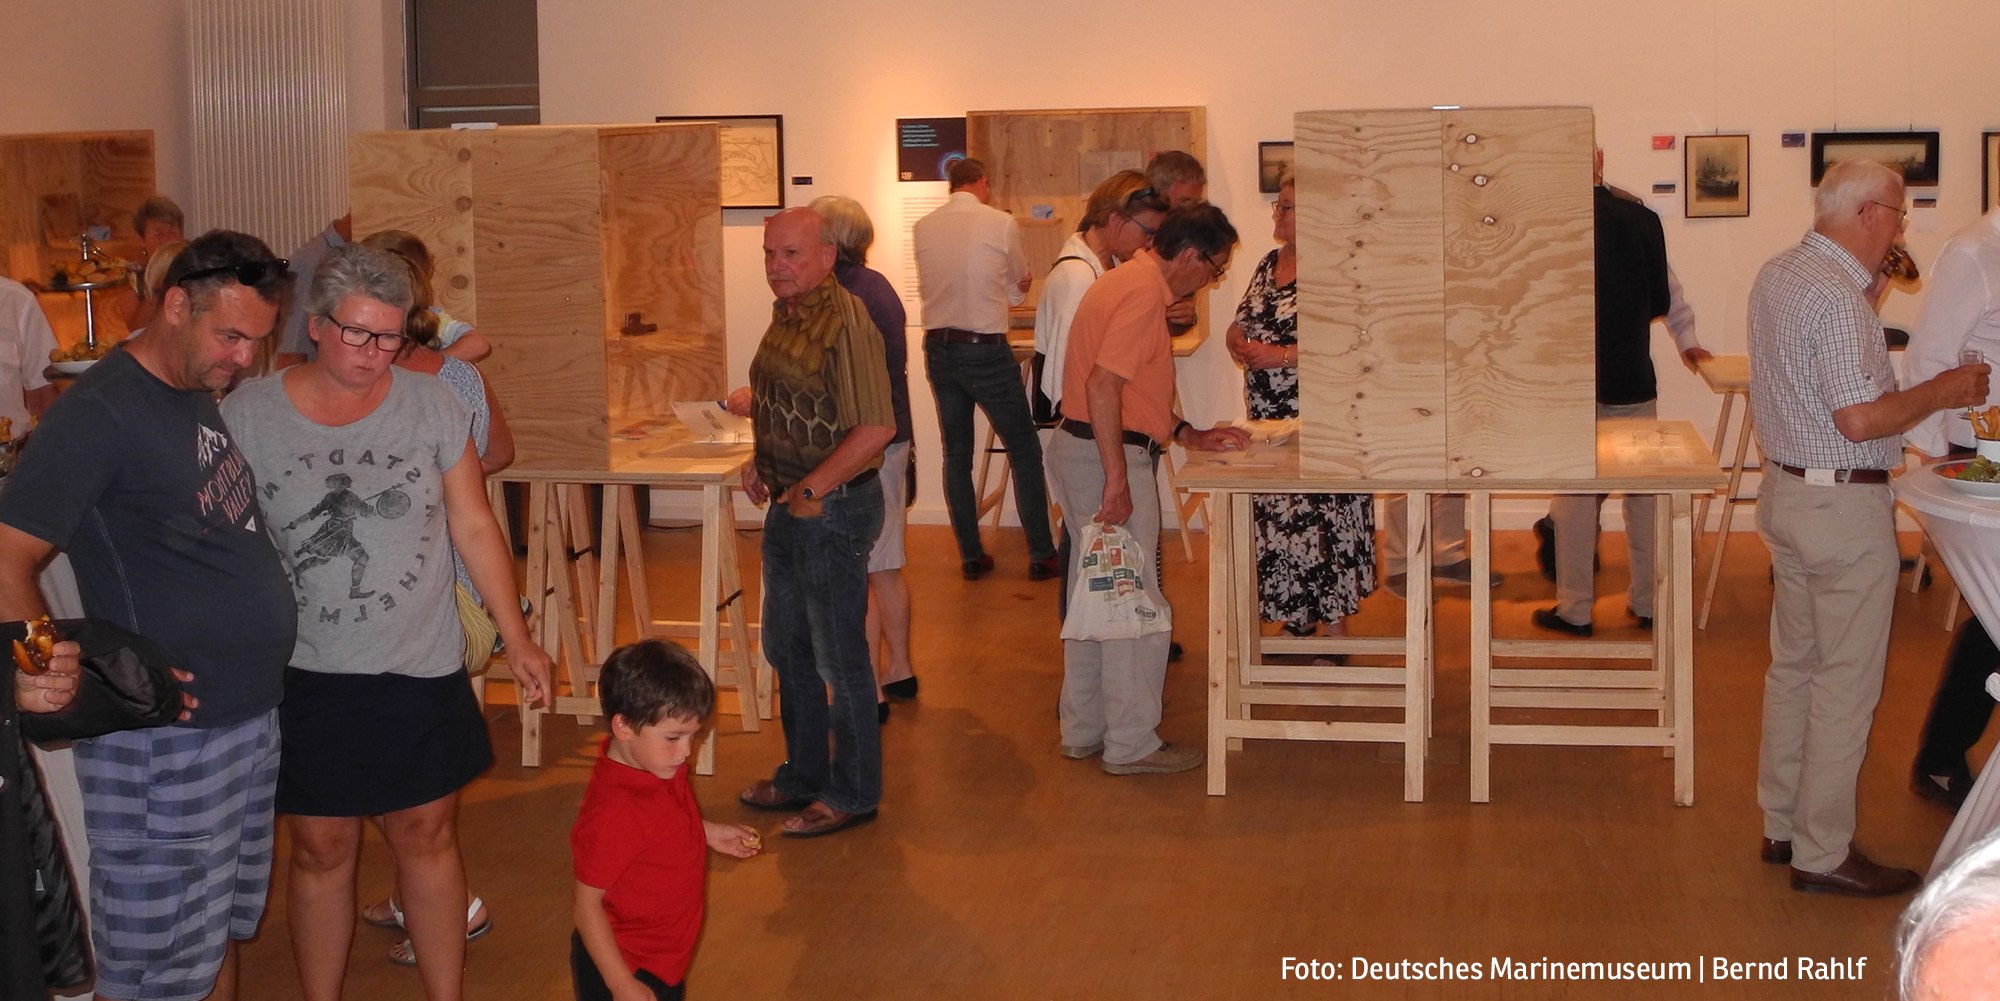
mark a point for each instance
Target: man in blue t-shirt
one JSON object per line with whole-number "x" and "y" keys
{"x": 134, "y": 475}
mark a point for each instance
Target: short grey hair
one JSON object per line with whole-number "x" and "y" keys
{"x": 1847, "y": 187}
{"x": 848, "y": 225}
{"x": 1967, "y": 892}
{"x": 359, "y": 269}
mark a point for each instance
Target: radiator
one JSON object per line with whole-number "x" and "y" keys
{"x": 268, "y": 122}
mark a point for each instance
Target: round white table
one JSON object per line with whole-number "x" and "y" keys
{"x": 1966, "y": 531}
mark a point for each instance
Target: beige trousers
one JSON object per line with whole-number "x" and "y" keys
{"x": 1833, "y": 553}
{"x": 1447, "y": 531}
{"x": 1576, "y": 521}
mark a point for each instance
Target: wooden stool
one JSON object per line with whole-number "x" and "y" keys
{"x": 1729, "y": 377}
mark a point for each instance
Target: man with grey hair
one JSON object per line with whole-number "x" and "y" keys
{"x": 135, "y": 476}
{"x": 820, "y": 405}
{"x": 1829, "y": 419}
{"x": 1948, "y": 941}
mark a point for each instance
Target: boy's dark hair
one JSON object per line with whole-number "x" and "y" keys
{"x": 650, "y": 680}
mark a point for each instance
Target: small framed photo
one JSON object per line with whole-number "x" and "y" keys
{"x": 1717, "y": 184}
{"x": 1274, "y": 160}
{"x": 1989, "y": 163}
{"x": 1915, "y": 154}
{"x": 753, "y": 158}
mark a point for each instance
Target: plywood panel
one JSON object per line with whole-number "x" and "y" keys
{"x": 421, "y": 182}
{"x": 1055, "y": 158}
{"x": 1519, "y": 300}
{"x": 53, "y": 185}
{"x": 663, "y": 260}
{"x": 1371, "y": 293}
{"x": 537, "y": 244}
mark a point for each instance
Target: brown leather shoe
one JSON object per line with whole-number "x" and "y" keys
{"x": 1048, "y": 569}
{"x": 977, "y": 568}
{"x": 1776, "y": 852}
{"x": 1856, "y": 877}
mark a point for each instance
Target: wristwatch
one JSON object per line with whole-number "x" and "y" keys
{"x": 806, "y": 492}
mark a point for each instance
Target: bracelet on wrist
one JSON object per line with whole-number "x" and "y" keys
{"x": 1178, "y": 428}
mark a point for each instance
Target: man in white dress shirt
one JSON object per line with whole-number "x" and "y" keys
{"x": 969, "y": 270}
{"x": 1961, "y": 313}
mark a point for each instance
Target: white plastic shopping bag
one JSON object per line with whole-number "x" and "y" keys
{"x": 1112, "y": 597}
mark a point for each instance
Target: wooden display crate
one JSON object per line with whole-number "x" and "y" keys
{"x": 1446, "y": 293}
{"x": 562, "y": 244}
{"x": 1051, "y": 161}
{"x": 54, "y": 185}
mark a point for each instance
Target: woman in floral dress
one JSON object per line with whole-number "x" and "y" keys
{"x": 1315, "y": 552}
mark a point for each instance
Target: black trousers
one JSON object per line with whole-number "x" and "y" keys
{"x": 589, "y": 983}
{"x": 1962, "y": 706}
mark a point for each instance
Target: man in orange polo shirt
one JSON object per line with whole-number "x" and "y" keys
{"x": 1117, "y": 407}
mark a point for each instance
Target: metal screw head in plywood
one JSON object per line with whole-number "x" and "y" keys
{"x": 1488, "y": 220}
{"x": 1480, "y": 180}
{"x": 1454, "y": 168}
{"x": 1470, "y": 138}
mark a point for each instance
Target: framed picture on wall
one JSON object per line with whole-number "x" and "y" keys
{"x": 1913, "y": 153}
{"x": 1989, "y": 163}
{"x": 753, "y": 158}
{"x": 1717, "y": 184}
{"x": 1273, "y": 159}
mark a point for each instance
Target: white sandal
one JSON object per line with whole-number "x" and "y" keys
{"x": 404, "y": 953}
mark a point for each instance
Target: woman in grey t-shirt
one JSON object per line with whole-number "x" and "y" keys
{"x": 368, "y": 480}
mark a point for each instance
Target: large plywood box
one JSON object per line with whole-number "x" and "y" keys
{"x": 591, "y": 256}
{"x": 54, "y": 185}
{"x": 1446, "y": 293}
{"x": 1043, "y": 166}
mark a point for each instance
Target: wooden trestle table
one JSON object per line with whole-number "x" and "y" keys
{"x": 573, "y": 583}
{"x": 1634, "y": 456}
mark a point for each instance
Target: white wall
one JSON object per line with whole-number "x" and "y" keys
{"x": 124, "y": 66}
{"x": 842, "y": 73}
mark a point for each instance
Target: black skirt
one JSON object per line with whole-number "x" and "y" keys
{"x": 358, "y": 745}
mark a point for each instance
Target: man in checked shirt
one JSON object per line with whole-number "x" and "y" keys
{"x": 1829, "y": 419}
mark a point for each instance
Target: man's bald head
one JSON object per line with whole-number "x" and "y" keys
{"x": 798, "y": 252}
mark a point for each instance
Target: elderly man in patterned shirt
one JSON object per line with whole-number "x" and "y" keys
{"x": 1829, "y": 417}
{"x": 821, "y": 409}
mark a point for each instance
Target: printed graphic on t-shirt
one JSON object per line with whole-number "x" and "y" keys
{"x": 226, "y": 486}
{"x": 358, "y": 543}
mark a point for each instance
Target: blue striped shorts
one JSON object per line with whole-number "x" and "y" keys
{"x": 181, "y": 837}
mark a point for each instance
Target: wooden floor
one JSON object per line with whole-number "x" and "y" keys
{"x": 1001, "y": 870}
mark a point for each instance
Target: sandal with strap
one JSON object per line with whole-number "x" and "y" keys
{"x": 404, "y": 953}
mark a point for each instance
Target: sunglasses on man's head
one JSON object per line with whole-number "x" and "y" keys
{"x": 247, "y": 273}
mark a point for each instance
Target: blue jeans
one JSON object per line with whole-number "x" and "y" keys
{"x": 815, "y": 604}
{"x": 986, "y": 374}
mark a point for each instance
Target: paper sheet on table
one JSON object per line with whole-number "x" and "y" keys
{"x": 712, "y": 424}
{"x": 1272, "y": 431}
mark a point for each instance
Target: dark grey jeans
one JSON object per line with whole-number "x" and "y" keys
{"x": 985, "y": 374}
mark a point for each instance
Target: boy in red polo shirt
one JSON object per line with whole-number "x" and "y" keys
{"x": 638, "y": 839}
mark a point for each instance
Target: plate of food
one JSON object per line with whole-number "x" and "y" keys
{"x": 71, "y": 367}
{"x": 1978, "y": 477}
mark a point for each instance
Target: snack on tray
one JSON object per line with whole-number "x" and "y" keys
{"x": 1985, "y": 423}
{"x": 33, "y": 656}
{"x": 84, "y": 352}
{"x": 88, "y": 272}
